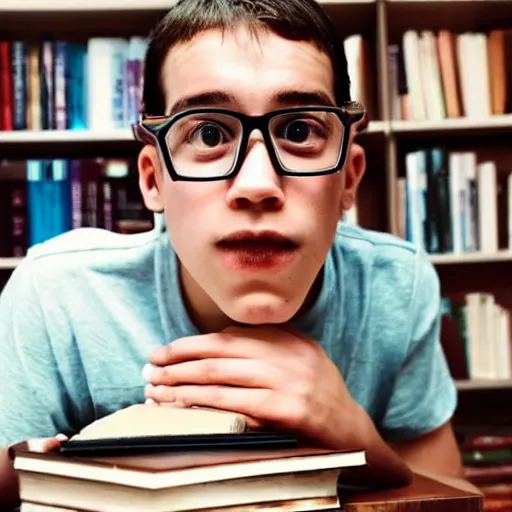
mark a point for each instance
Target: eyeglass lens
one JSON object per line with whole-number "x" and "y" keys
{"x": 207, "y": 144}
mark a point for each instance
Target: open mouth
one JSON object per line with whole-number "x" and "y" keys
{"x": 257, "y": 241}
{"x": 261, "y": 250}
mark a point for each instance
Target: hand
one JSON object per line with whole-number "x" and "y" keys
{"x": 43, "y": 444}
{"x": 9, "y": 495}
{"x": 275, "y": 376}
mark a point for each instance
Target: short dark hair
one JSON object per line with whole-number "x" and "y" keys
{"x": 297, "y": 20}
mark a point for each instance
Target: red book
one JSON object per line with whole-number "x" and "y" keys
{"x": 5, "y": 87}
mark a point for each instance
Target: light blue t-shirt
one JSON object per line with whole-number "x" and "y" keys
{"x": 83, "y": 312}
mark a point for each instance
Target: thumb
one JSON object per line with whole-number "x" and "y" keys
{"x": 46, "y": 444}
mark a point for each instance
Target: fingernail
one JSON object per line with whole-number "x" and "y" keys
{"x": 150, "y": 401}
{"x": 147, "y": 371}
{"x": 37, "y": 445}
{"x": 61, "y": 437}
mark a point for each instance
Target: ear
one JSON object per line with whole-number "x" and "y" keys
{"x": 150, "y": 178}
{"x": 355, "y": 167}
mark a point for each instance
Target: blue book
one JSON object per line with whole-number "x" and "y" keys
{"x": 36, "y": 210}
{"x": 76, "y": 86}
{"x": 59, "y": 192}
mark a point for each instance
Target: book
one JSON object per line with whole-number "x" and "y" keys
{"x": 314, "y": 505}
{"x": 154, "y": 420}
{"x": 181, "y": 481}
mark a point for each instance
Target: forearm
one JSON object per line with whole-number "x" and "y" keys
{"x": 8, "y": 481}
{"x": 384, "y": 468}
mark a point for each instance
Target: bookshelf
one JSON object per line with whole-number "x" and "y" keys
{"x": 387, "y": 140}
{"x": 9, "y": 263}
{"x": 463, "y": 385}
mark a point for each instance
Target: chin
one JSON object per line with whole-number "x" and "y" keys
{"x": 262, "y": 309}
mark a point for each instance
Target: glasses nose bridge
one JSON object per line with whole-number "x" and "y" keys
{"x": 251, "y": 124}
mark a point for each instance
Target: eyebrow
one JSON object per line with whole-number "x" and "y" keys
{"x": 207, "y": 99}
{"x": 292, "y": 98}
{"x": 286, "y": 98}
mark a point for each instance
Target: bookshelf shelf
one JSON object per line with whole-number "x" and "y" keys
{"x": 114, "y": 5}
{"x": 461, "y": 124}
{"x": 84, "y": 5}
{"x": 120, "y": 135}
{"x": 64, "y": 136}
{"x": 9, "y": 263}
{"x": 476, "y": 384}
{"x": 377, "y": 127}
{"x": 468, "y": 258}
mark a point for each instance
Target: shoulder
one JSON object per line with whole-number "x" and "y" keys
{"x": 374, "y": 246}
{"x": 87, "y": 262}
{"x": 395, "y": 271}
{"x": 91, "y": 247}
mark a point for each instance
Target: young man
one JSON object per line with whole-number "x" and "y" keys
{"x": 250, "y": 300}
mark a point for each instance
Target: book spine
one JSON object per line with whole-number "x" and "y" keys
{"x": 60, "y": 85}
{"x": 19, "y": 85}
{"x": 19, "y": 240}
{"x": 47, "y": 86}
{"x": 5, "y": 86}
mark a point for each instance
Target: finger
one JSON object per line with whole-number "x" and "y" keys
{"x": 236, "y": 342}
{"x": 43, "y": 444}
{"x": 250, "y": 373}
{"x": 263, "y": 405}
{"x": 159, "y": 394}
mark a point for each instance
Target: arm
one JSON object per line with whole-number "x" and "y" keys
{"x": 32, "y": 399}
{"x": 417, "y": 423}
{"x": 8, "y": 481}
{"x": 436, "y": 455}
{"x": 436, "y": 452}
{"x": 9, "y": 492}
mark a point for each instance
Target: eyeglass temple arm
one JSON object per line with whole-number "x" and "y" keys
{"x": 357, "y": 115}
{"x": 143, "y": 134}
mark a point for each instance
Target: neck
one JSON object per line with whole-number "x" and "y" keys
{"x": 209, "y": 318}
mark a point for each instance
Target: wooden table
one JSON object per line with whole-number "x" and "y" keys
{"x": 426, "y": 493}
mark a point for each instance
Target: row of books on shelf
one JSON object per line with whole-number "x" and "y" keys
{"x": 65, "y": 85}
{"x": 441, "y": 75}
{"x": 476, "y": 337}
{"x": 487, "y": 460}
{"x": 450, "y": 202}
{"x": 97, "y": 84}
{"x": 40, "y": 199}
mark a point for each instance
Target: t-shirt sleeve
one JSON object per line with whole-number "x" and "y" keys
{"x": 424, "y": 396}
{"x": 32, "y": 398}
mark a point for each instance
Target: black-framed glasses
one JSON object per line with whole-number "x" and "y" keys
{"x": 208, "y": 144}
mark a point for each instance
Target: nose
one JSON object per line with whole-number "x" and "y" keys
{"x": 257, "y": 185}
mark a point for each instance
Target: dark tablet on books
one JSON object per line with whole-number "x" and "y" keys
{"x": 179, "y": 443}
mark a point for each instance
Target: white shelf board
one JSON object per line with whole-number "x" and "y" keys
{"x": 114, "y": 5}
{"x": 470, "y": 257}
{"x": 455, "y": 124}
{"x": 9, "y": 263}
{"x": 84, "y": 5}
{"x": 118, "y": 135}
{"x": 51, "y": 136}
{"x": 443, "y": 1}
{"x": 377, "y": 127}
{"x": 483, "y": 384}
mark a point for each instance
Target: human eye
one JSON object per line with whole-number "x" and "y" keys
{"x": 209, "y": 135}
{"x": 301, "y": 130}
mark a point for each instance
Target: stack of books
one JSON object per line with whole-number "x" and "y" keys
{"x": 224, "y": 470}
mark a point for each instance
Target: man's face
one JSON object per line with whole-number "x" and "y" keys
{"x": 212, "y": 225}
